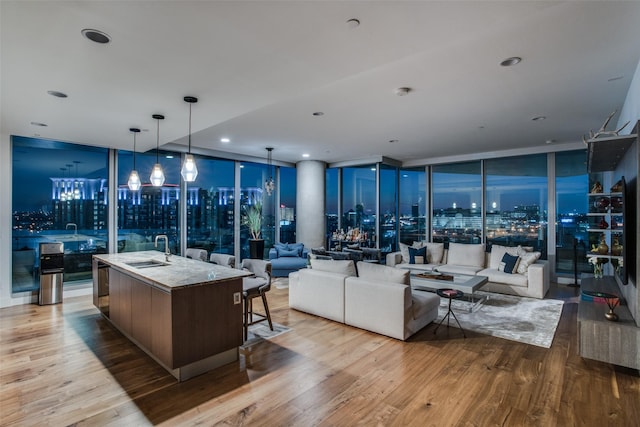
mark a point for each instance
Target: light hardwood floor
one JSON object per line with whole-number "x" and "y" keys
{"x": 65, "y": 365}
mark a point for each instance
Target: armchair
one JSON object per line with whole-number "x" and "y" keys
{"x": 286, "y": 258}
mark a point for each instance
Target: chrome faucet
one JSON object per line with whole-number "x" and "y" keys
{"x": 74, "y": 225}
{"x": 167, "y": 254}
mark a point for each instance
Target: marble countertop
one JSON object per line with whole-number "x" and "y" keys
{"x": 179, "y": 271}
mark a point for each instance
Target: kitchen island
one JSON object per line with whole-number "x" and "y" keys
{"x": 186, "y": 314}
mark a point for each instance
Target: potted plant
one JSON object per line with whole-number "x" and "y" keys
{"x": 252, "y": 218}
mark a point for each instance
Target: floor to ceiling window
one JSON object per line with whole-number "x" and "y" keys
{"x": 287, "y": 204}
{"x": 388, "y": 208}
{"x": 252, "y": 193}
{"x": 359, "y": 202}
{"x": 210, "y": 204}
{"x": 516, "y": 198}
{"x": 572, "y": 186}
{"x": 59, "y": 195}
{"x": 457, "y": 202}
{"x": 332, "y": 186}
{"x": 413, "y": 198}
{"x": 150, "y": 211}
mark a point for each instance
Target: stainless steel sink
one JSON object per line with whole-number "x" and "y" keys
{"x": 147, "y": 263}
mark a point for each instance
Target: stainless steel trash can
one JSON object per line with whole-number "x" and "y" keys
{"x": 51, "y": 273}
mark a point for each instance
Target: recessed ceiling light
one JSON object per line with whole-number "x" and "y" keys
{"x": 318, "y": 113}
{"x": 510, "y": 62}
{"x": 353, "y": 23}
{"x": 39, "y": 124}
{"x": 57, "y": 94}
{"x": 539, "y": 118}
{"x": 402, "y": 91}
{"x": 481, "y": 127}
{"x": 305, "y": 155}
{"x": 550, "y": 141}
{"x": 613, "y": 79}
{"x": 394, "y": 141}
{"x": 225, "y": 140}
{"x": 96, "y": 36}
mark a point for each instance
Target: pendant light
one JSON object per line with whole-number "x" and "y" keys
{"x": 134, "y": 179}
{"x": 269, "y": 184}
{"x": 157, "y": 176}
{"x": 189, "y": 170}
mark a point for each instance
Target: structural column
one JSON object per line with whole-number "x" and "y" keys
{"x": 310, "y": 203}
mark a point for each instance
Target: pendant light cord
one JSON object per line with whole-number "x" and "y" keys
{"x": 134, "y": 151}
{"x": 157, "y": 140}
{"x": 189, "y": 128}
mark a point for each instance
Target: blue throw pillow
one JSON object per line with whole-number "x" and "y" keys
{"x": 417, "y": 255}
{"x": 509, "y": 263}
{"x": 298, "y": 246}
{"x": 287, "y": 252}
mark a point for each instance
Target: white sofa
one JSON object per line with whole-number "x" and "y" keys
{"x": 378, "y": 298}
{"x": 531, "y": 278}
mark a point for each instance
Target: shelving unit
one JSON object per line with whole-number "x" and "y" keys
{"x": 605, "y": 218}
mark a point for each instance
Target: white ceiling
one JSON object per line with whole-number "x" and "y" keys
{"x": 260, "y": 69}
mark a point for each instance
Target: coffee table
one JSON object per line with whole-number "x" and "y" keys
{"x": 461, "y": 282}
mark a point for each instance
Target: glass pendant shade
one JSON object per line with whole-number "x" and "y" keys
{"x": 189, "y": 170}
{"x": 134, "y": 182}
{"x": 157, "y": 176}
{"x": 269, "y": 184}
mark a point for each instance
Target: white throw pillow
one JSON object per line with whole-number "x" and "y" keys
{"x": 497, "y": 252}
{"x": 526, "y": 259}
{"x": 469, "y": 255}
{"x": 435, "y": 251}
{"x": 347, "y": 268}
{"x": 383, "y": 273}
{"x": 404, "y": 250}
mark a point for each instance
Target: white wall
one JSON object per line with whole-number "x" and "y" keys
{"x": 631, "y": 109}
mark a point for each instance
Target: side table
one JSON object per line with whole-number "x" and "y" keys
{"x": 450, "y": 294}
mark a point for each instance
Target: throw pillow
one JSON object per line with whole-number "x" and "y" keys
{"x": 417, "y": 256}
{"x": 435, "y": 252}
{"x": 404, "y": 250}
{"x": 497, "y": 252}
{"x": 297, "y": 246}
{"x": 383, "y": 273}
{"x": 279, "y": 246}
{"x": 509, "y": 263}
{"x": 319, "y": 251}
{"x": 526, "y": 259}
{"x": 288, "y": 253}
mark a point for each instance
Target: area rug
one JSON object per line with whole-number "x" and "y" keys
{"x": 527, "y": 320}
{"x": 260, "y": 331}
{"x": 280, "y": 282}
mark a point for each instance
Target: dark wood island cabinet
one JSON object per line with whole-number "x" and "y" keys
{"x": 186, "y": 314}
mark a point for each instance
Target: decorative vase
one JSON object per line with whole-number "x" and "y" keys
{"x": 612, "y": 302}
{"x": 598, "y": 270}
{"x": 256, "y": 248}
{"x": 603, "y": 248}
{"x": 616, "y": 247}
{"x": 597, "y": 187}
{"x": 603, "y": 225}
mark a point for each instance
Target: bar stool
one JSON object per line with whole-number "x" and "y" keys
{"x": 256, "y": 286}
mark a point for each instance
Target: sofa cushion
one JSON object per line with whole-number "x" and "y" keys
{"x": 496, "y": 276}
{"x": 459, "y": 269}
{"x": 470, "y": 255}
{"x": 297, "y": 246}
{"x": 509, "y": 263}
{"x": 346, "y": 268}
{"x": 435, "y": 252}
{"x": 417, "y": 256}
{"x": 404, "y": 250}
{"x": 382, "y": 273}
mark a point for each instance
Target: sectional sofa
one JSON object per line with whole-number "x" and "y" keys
{"x": 529, "y": 278}
{"x": 376, "y": 298}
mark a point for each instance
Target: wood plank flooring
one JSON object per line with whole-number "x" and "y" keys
{"x": 65, "y": 365}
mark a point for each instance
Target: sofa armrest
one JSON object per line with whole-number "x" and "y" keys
{"x": 538, "y": 278}
{"x": 394, "y": 258}
{"x": 273, "y": 253}
{"x": 377, "y": 306}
